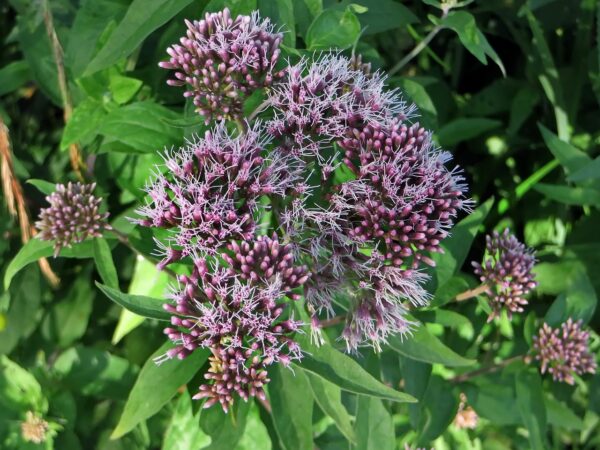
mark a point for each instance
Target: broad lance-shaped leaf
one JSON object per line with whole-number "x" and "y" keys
{"x": 530, "y": 400}
{"x": 144, "y": 306}
{"x": 36, "y": 249}
{"x": 571, "y": 158}
{"x": 292, "y": 407}
{"x": 423, "y": 346}
{"x": 141, "y": 19}
{"x": 329, "y": 398}
{"x": 156, "y": 385}
{"x": 343, "y": 371}
{"x": 104, "y": 263}
{"x": 374, "y": 425}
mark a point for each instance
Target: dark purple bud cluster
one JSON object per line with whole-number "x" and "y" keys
{"x": 73, "y": 216}
{"x": 210, "y": 190}
{"x": 404, "y": 197}
{"x": 507, "y": 271}
{"x": 233, "y": 371}
{"x": 235, "y": 308}
{"x": 264, "y": 260}
{"x": 564, "y": 351}
{"x": 223, "y": 60}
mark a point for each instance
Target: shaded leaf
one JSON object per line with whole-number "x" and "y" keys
{"x": 423, "y": 346}
{"x": 292, "y": 407}
{"x": 569, "y": 195}
{"x": 104, "y": 263}
{"x": 333, "y": 28}
{"x": 141, "y": 19}
{"x": 138, "y": 304}
{"x": 374, "y": 425}
{"x": 13, "y": 76}
{"x": 465, "y": 128}
{"x": 329, "y": 398}
{"x": 346, "y": 373}
{"x": 530, "y": 401}
{"x": 156, "y": 385}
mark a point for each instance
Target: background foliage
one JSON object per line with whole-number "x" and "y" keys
{"x": 512, "y": 88}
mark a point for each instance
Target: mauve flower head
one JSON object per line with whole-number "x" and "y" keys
{"x": 73, "y": 215}
{"x": 404, "y": 198}
{"x": 210, "y": 191}
{"x": 233, "y": 371}
{"x": 380, "y": 310}
{"x": 564, "y": 351}
{"x": 223, "y": 60}
{"x": 315, "y": 102}
{"x": 234, "y": 308}
{"x": 507, "y": 271}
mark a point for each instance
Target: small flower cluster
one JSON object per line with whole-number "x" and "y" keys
{"x": 34, "y": 428}
{"x": 73, "y": 216}
{"x": 564, "y": 351}
{"x": 466, "y": 417}
{"x": 210, "y": 192}
{"x": 507, "y": 272}
{"x": 223, "y": 60}
{"x": 239, "y": 311}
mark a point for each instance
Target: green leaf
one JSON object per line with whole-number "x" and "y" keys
{"x": 530, "y": 400}
{"x": 416, "y": 377}
{"x": 36, "y": 249}
{"x": 45, "y": 187}
{"x": 463, "y": 23}
{"x": 374, "y": 425}
{"x": 561, "y": 415}
{"x": 140, "y": 128}
{"x": 225, "y": 430}
{"x": 123, "y": 88}
{"x": 141, "y": 19}
{"x": 138, "y": 304}
{"x": 156, "y": 385}
{"x": 494, "y": 398}
{"x": 521, "y": 108}
{"x": 146, "y": 281}
{"x": 24, "y": 311}
{"x": 292, "y": 408}
{"x": 67, "y": 319}
{"x": 423, "y": 346}
{"x": 590, "y": 171}
{"x": 256, "y": 435}
{"x": 104, "y": 263}
{"x": 438, "y": 409}
{"x": 94, "y": 372}
{"x": 571, "y": 158}
{"x": 578, "y": 301}
{"x": 19, "y": 390}
{"x": 457, "y": 246}
{"x": 569, "y": 195}
{"x": 93, "y": 21}
{"x": 183, "y": 432}
{"x": 333, "y": 28}
{"x": 13, "y": 76}
{"x": 379, "y": 15}
{"x": 465, "y": 128}
{"x": 281, "y": 12}
{"x": 343, "y": 371}
{"x": 329, "y": 398}
{"x": 83, "y": 125}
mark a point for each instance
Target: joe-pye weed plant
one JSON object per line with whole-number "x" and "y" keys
{"x": 295, "y": 237}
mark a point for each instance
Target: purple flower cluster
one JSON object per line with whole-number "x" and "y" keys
{"x": 240, "y": 312}
{"x": 223, "y": 60}
{"x": 507, "y": 272}
{"x": 365, "y": 236}
{"x": 564, "y": 351}
{"x": 209, "y": 194}
{"x": 399, "y": 205}
{"x": 316, "y": 103}
{"x": 73, "y": 216}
